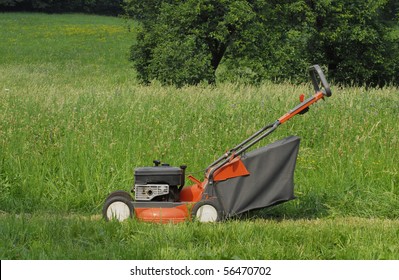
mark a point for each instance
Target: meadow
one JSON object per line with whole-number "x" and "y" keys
{"x": 74, "y": 123}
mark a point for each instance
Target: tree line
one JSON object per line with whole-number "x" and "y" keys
{"x": 188, "y": 42}
{"x": 102, "y": 7}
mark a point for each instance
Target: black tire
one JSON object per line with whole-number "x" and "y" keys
{"x": 206, "y": 211}
{"x": 118, "y": 207}
{"x": 119, "y": 193}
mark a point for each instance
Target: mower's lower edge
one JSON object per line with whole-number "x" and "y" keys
{"x": 234, "y": 214}
{"x": 162, "y": 212}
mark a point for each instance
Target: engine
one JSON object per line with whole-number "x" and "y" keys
{"x": 159, "y": 182}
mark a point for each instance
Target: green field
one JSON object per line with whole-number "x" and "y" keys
{"x": 74, "y": 123}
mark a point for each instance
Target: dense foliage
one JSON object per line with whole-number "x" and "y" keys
{"x": 186, "y": 42}
{"x": 105, "y": 7}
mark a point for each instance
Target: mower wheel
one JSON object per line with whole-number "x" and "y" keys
{"x": 120, "y": 193}
{"x": 119, "y": 207}
{"x": 207, "y": 211}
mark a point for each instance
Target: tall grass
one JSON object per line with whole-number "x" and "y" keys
{"x": 74, "y": 124}
{"x": 65, "y": 150}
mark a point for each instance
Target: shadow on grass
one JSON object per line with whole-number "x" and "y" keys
{"x": 304, "y": 208}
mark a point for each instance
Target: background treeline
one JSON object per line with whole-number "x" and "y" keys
{"x": 103, "y": 7}
{"x": 187, "y": 42}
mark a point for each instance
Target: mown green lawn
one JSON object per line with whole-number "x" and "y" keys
{"x": 74, "y": 123}
{"x": 76, "y": 237}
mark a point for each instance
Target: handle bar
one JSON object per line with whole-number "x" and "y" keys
{"x": 316, "y": 75}
{"x": 313, "y": 70}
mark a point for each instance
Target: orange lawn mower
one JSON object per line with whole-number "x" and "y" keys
{"x": 235, "y": 183}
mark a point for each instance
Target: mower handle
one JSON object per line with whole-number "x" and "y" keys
{"x": 317, "y": 76}
{"x": 313, "y": 70}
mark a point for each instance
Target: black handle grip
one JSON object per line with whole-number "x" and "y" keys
{"x": 315, "y": 69}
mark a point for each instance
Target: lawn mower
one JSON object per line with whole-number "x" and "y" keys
{"x": 235, "y": 183}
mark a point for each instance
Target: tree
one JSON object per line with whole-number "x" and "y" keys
{"x": 274, "y": 46}
{"x": 354, "y": 41}
{"x": 185, "y": 42}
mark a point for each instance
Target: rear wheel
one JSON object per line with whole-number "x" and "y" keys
{"x": 207, "y": 211}
{"x": 120, "y": 193}
{"x": 118, "y": 207}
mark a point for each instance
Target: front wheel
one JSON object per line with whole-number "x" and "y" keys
{"x": 207, "y": 211}
{"x": 118, "y": 207}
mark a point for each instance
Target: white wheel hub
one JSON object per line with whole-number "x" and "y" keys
{"x": 118, "y": 210}
{"x": 207, "y": 213}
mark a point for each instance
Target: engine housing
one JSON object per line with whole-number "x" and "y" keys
{"x": 159, "y": 183}
{"x": 150, "y": 191}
